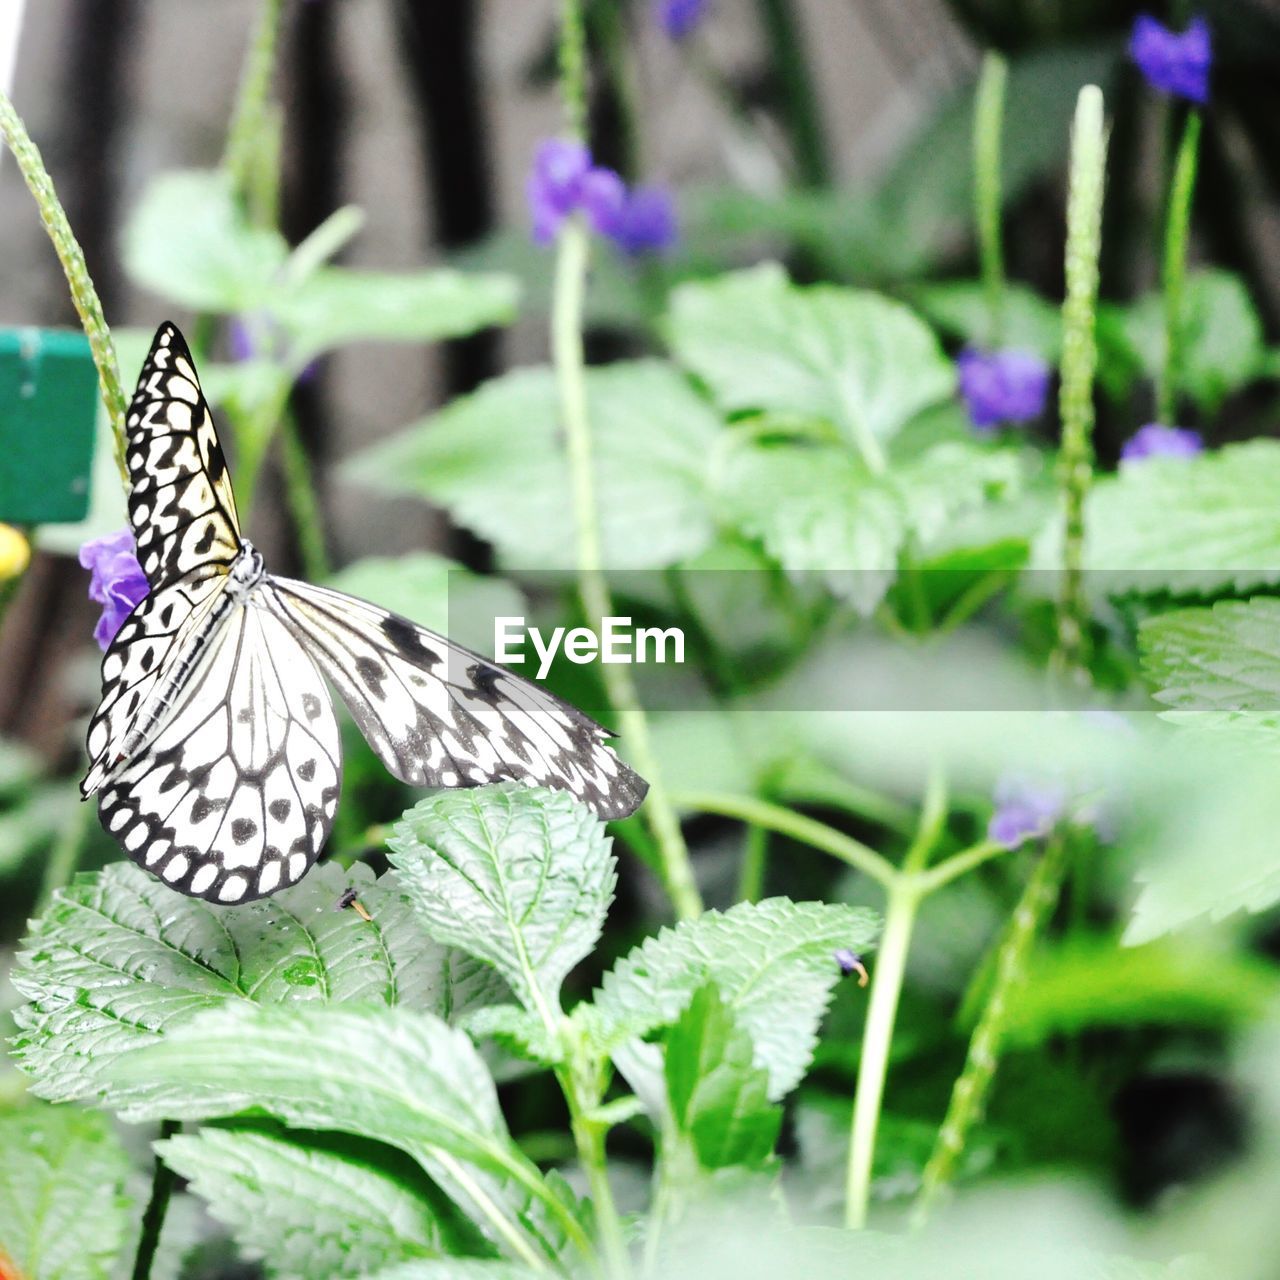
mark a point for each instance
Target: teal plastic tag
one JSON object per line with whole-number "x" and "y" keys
{"x": 48, "y": 406}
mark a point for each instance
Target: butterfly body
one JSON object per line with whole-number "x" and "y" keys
{"x": 216, "y": 751}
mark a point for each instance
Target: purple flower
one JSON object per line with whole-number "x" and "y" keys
{"x": 646, "y": 222}
{"x": 1002, "y": 386}
{"x": 118, "y": 583}
{"x": 678, "y": 18}
{"x": 1155, "y": 440}
{"x": 554, "y": 188}
{"x": 1173, "y": 62}
{"x": 850, "y": 962}
{"x": 603, "y": 197}
{"x": 1025, "y": 810}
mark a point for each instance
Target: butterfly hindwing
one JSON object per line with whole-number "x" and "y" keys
{"x": 234, "y": 797}
{"x": 440, "y": 716}
{"x": 181, "y": 506}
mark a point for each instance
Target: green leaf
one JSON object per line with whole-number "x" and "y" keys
{"x": 402, "y": 1078}
{"x": 190, "y": 241}
{"x": 719, "y": 1097}
{"x": 303, "y": 1210}
{"x": 1223, "y": 345}
{"x": 119, "y": 959}
{"x": 496, "y": 461}
{"x": 65, "y": 1213}
{"x": 959, "y": 309}
{"x": 518, "y": 877}
{"x": 820, "y": 510}
{"x": 335, "y": 306}
{"x": 1091, "y": 982}
{"x": 515, "y": 1029}
{"x": 436, "y": 592}
{"x": 1223, "y": 662}
{"x": 1185, "y": 526}
{"x": 772, "y": 961}
{"x": 852, "y": 358}
{"x": 458, "y": 1269}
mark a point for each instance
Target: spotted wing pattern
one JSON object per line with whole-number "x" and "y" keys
{"x": 181, "y": 506}
{"x": 234, "y": 796}
{"x": 152, "y": 640}
{"x": 441, "y": 716}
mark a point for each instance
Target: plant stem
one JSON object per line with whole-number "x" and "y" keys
{"x": 801, "y": 114}
{"x": 1079, "y": 361}
{"x": 960, "y": 864}
{"x": 988, "y": 123}
{"x": 162, "y": 1183}
{"x": 300, "y": 493}
{"x": 570, "y": 282}
{"x": 969, "y": 1096}
{"x": 755, "y": 857}
{"x": 906, "y": 891}
{"x": 776, "y": 817}
{"x": 573, "y": 68}
{"x": 64, "y": 857}
{"x": 1174, "y": 277}
{"x": 83, "y": 294}
{"x": 252, "y": 107}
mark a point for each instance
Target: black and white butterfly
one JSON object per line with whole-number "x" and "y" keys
{"x": 216, "y": 753}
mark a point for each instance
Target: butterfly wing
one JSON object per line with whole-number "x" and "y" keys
{"x": 438, "y": 715}
{"x": 234, "y": 796}
{"x": 181, "y": 507}
{"x": 153, "y": 637}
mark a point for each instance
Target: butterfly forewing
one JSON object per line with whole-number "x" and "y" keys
{"x": 234, "y": 797}
{"x": 441, "y": 716}
{"x": 181, "y": 506}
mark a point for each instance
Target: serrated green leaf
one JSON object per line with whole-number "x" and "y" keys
{"x": 1187, "y": 526}
{"x": 518, "y": 877}
{"x": 772, "y": 962}
{"x": 852, "y": 358}
{"x": 436, "y": 592}
{"x": 302, "y": 1210}
{"x": 1223, "y": 348}
{"x": 495, "y": 460}
{"x": 820, "y": 510}
{"x": 960, "y": 309}
{"x": 190, "y": 241}
{"x": 1223, "y": 661}
{"x": 335, "y": 306}
{"x": 515, "y": 1029}
{"x": 65, "y": 1213}
{"x": 719, "y": 1097}
{"x": 403, "y": 1078}
{"x": 119, "y": 959}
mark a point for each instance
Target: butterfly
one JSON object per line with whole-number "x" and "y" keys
{"x": 215, "y": 750}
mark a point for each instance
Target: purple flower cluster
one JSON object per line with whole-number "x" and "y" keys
{"x": 1025, "y": 810}
{"x": 117, "y": 582}
{"x": 564, "y": 182}
{"x": 679, "y": 18}
{"x": 1002, "y": 386}
{"x": 1175, "y": 62}
{"x": 1155, "y": 440}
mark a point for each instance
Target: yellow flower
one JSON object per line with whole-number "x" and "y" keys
{"x": 15, "y": 552}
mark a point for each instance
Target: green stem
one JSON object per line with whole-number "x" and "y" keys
{"x": 300, "y": 495}
{"x": 786, "y": 822}
{"x": 1079, "y": 362}
{"x": 162, "y": 1183}
{"x": 573, "y": 68}
{"x": 64, "y": 857}
{"x": 1177, "y": 230}
{"x": 801, "y": 113}
{"x": 566, "y": 320}
{"x": 969, "y": 1096}
{"x": 755, "y": 858}
{"x": 250, "y": 116}
{"x": 960, "y": 864}
{"x": 83, "y": 294}
{"x": 988, "y": 122}
{"x": 906, "y": 891}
